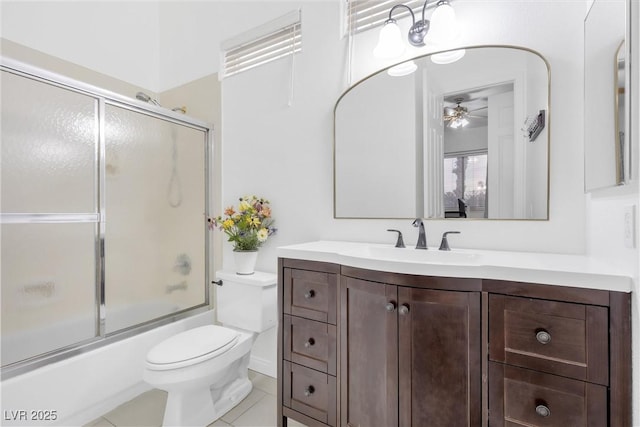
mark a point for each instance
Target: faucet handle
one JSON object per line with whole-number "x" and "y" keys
{"x": 400, "y": 241}
{"x": 444, "y": 245}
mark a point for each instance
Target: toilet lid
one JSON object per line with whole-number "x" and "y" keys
{"x": 209, "y": 340}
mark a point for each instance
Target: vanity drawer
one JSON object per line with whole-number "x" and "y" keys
{"x": 310, "y": 294}
{"x": 523, "y": 397}
{"x": 310, "y": 343}
{"x": 309, "y": 392}
{"x": 556, "y": 337}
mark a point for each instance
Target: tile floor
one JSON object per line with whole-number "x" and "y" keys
{"x": 258, "y": 409}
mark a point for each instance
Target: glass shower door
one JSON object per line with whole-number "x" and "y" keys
{"x": 155, "y": 224}
{"x": 49, "y": 217}
{"x": 103, "y": 205}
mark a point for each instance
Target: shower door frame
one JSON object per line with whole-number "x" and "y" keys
{"x": 103, "y": 99}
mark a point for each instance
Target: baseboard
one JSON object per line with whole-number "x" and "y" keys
{"x": 94, "y": 412}
{"x": 264, "y": 366}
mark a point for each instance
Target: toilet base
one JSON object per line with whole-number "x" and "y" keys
{"x": 196, "y": 407}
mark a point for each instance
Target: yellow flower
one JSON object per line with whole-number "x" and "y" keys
{"x": 244, "y": 205}
{"x": 254, "y": 222}
{"x": 263, "y": 233}
{"x": 227, "y": 224}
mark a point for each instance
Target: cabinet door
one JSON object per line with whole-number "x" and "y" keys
{"x": 439, "y": 358}
{"x": 369, "y": 354}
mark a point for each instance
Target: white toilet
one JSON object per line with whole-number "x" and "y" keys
{"x": 204, "y": 370}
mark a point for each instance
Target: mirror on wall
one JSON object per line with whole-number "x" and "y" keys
{"x": 606, "y": 143}
{"x": 460, "y": 140}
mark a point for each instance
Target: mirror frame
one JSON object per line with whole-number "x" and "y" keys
{"x": 547, "y": 130}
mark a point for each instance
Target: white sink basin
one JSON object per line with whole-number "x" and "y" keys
{"x": 428, "y": 256}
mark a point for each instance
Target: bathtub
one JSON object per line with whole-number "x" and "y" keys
{"x": 75, "y": 391}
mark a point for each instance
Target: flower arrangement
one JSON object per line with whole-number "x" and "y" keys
{"x": 249, "y": 226}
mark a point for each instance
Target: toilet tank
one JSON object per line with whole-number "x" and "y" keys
{"x": 247, "y": 302}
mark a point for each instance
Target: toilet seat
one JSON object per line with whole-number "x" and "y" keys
{"x": 191, "y": 347}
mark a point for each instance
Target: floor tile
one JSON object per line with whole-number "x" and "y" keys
{"x": 242, "y": 407}
{"x": 100, "y": 422}
{"x": 264, "y": 382}
{"x": 262, "y": 414}
{"x": 145, "y": 410}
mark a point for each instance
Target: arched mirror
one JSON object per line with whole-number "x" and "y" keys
{"x": 466, "y": 139}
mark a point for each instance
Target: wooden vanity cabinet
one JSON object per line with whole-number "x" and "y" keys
{"x": 398, "y": 350}
{"x": 558, "y": 356}
{"x": 410, "y": 356}
{"x": 307, "y": 342}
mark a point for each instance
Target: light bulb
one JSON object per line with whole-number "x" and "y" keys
{"x": 390, "y": 44}
{"x": 444, "y": 27}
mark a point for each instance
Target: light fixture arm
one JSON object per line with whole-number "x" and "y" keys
{"x": 390, "y": 43}
{"x": 419, "y": 29}
{"x": 393, "y": 9}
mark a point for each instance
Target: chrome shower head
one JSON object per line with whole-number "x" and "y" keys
{"x": 146, "y": 98}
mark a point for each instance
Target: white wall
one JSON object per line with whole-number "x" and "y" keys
{"x": 119, "y": 39}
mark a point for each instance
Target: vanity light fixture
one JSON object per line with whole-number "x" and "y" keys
{"x": 442, "y": 24}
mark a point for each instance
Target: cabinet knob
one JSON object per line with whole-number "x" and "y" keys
{"x": 309, "y": 342}
{"x": 309, "y": 391}
{"x": 310, "y": 294}
{"x": 404, "y": 309}
{"x": 390, "y": 306}
{"x": 543, "y": 336}
{"x": 543, "y": 410}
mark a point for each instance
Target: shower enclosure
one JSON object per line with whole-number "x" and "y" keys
{"x": 103, "y": 231}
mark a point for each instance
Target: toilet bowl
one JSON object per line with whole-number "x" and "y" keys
{"x": 205, "y": 369}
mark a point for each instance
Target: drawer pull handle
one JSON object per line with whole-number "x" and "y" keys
{"x": 309, "y": 391}
{"x": 310, "y": 294}
{"x": 543, "y": 411}
{"x": 543, "y": 336}
{"x": 404, "y": 309}
{"x": 309, "y": 342}
{"x": 390, "y": 306}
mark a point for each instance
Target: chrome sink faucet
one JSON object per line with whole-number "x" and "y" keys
{"x": 400, "y": 241}
{"x": 422, "y": 236}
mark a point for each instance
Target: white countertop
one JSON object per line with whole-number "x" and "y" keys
{"x": 545, "y": 268}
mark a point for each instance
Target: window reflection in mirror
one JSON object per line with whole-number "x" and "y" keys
{"x": 407, "y": 147}
{"x": 465, "y": 185}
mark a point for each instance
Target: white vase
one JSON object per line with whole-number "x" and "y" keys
{"x": 245, "y": 261}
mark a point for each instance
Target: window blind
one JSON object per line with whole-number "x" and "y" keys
{"x": 363, "y": 15}
{"x": 275, "y": 40}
